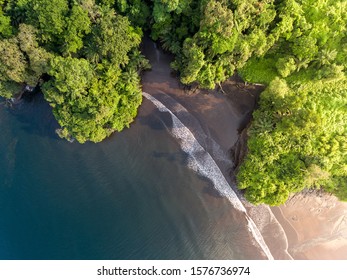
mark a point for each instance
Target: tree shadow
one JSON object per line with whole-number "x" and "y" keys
{"x": 154, "y": 121}
{"x": 34, "y": 115}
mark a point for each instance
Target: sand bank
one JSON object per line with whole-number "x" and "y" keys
{"x": 316, "y": 226}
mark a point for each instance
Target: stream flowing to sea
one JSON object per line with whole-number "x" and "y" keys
{"x": 150, "y": 192}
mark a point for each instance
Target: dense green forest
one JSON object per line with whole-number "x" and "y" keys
{"x": 85, "y": 57}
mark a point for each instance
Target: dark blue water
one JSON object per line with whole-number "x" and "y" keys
{"x": 129, "y": 197}
{"x": 132, "y": 196}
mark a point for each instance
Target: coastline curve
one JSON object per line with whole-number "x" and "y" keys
{"x": 203, "y": 163}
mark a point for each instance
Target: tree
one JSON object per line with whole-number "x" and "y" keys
{"x": 89, "y": 104}
{"x": 137, "y": 11}
{"x": 5, "y": 24}
{"x": 97, "y": 96}
{"x": 78, "y": 25}
{"x": 112, "y": 38}
{"x": 302, "y": 147}
{"x": 193, "y": 62}
{"x": 71, "y": 79}
{"x": 286, "y": 66}
{"x": 49, "y": 16}
{"x": 84, "y": 56}
{"x": 22, "y": 61}
{"x": 13, "y": 64}
{"x": 37, "y": 56}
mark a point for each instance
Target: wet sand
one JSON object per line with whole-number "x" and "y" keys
{"x": 316, "y": 226}
{"x": 308, "y": 226}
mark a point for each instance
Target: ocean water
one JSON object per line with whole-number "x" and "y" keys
{"x": 133, "y": 196}
{"x": 154, "y": 191}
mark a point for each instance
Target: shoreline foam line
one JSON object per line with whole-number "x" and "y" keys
{"x": 182, "y": 113}
{"x": 282, "y": 229}
{"x": 205, "y": 165}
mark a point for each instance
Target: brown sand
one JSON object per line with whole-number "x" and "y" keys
{"x": 314, "y": 224}
{"x": 317, "y": 224}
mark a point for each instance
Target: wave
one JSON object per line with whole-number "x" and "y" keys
{"x": 195, "y": 127}
{"x": 203, "y": 163}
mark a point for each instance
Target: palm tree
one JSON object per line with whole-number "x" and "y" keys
{"x": 138, "y": 61}
{"x": 325, "y": 57}
{"x": 130, "y": 77}
{"x": 301, "y": 63}
{"x": 167, "y": 39}
{"x": 91, "y": 53}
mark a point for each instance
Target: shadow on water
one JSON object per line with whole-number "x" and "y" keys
{"x": 35, "y": 115}
{"x": 155, "y": 121}
{"x": 211, "y": 190}
{"x": 182, "y": 158}
{"x": 172, "y": 156}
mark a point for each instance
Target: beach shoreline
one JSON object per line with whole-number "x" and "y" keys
{"x": 301, "y": 225}
{"x": 319, "y": 222}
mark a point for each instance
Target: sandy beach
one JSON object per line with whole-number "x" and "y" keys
{"x": 311, "y": 225}
{"x": 316, "y": 226}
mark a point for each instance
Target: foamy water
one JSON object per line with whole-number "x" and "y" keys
{"x": 203, "y": 163}
{"x": 190, "y": 121}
